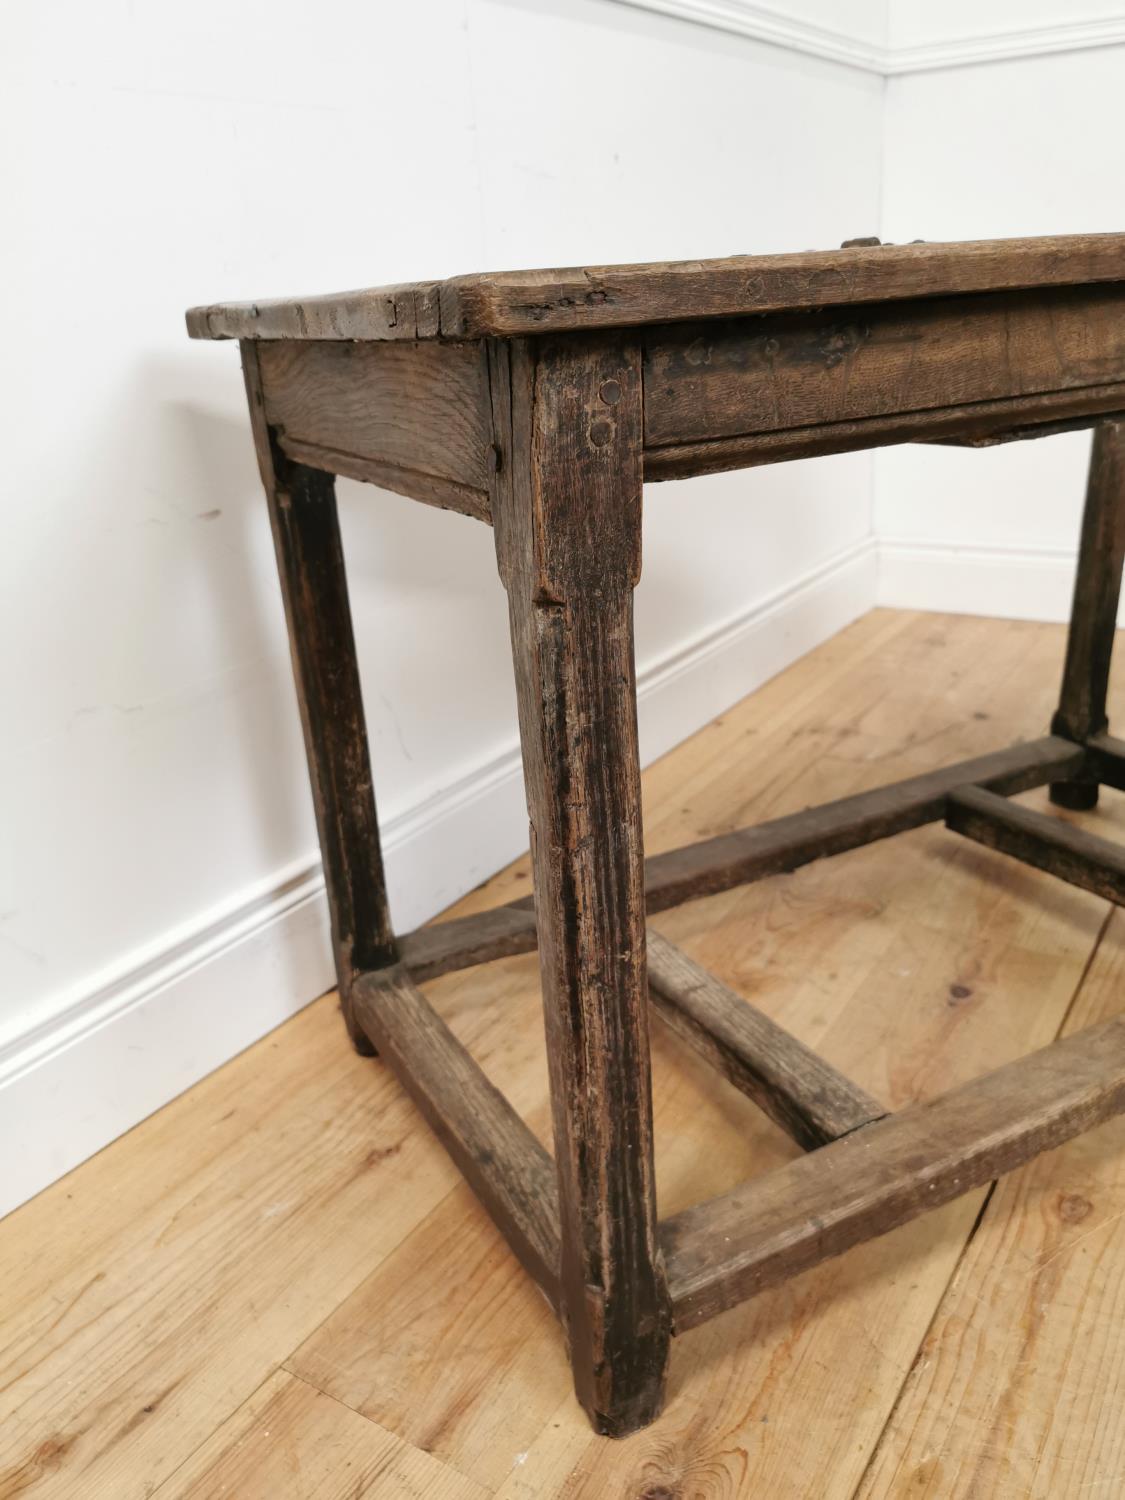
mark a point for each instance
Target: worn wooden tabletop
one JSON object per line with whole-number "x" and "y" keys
{"x": 508, "y": 303}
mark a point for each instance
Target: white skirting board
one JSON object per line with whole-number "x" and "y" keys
{"x": 133, "y": 1039}
{"x": 1004, "y": 582}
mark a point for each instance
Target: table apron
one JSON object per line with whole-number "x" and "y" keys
{"x": 730, "y": 378}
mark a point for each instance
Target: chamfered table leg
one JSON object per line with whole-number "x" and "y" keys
{"x": 310, "y": 560}
{"x": 1093, "y": 620}
{"x": 567, "y": 514}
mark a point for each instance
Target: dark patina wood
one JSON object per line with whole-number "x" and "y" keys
{"x": 310, "y": 563}
{"x": 502, "y": 1161}
{"x": 1049, "y": 844}
{"x": 977, "y": 423}
{"x": 509, "y": 303}
{"x": 1093, "y": 617}
{"x": 567, "y": 513}
{"x": 538, "y": 401}
{"x": 774, "y": 848}
{"x": 722, "y": 379}
{"x": 802, "y": 1093}
{"x": 409, "y": 417}
{"x": 1106, "y": 756}
{"x": 763, "y": 1232}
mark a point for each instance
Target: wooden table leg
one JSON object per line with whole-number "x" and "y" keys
{"x": 310, "y": 561}
{"x": 1093, "y": 620}
{"x": 567, "y": 511}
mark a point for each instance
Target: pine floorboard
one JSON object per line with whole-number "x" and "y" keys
{"x": 278, "y": 1286}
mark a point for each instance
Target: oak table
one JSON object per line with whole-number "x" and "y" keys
{"x": 539, "y": 402}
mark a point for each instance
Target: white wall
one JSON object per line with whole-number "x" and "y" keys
{"x": 1018, "y": 147}
{"x": 160, "y": 904}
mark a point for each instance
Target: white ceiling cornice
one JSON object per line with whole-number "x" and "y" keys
{"x": 1063, "y": 35}
{"x": 765, "y": 24}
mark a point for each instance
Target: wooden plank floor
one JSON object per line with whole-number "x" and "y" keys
{"x": 278, "y": 1287}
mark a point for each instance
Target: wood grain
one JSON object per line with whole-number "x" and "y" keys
{"x": 294, "y": 1199}
{"x": 826, "y": 951}
{"x": 977, "y": 421}
{"x": 502, "y": 1161}
{"x": 1013, "y": 1392}
{"x": 1107, "y": 759}
{"x": 567, "y": 513}
{"x": 406, "y": 311}
{"x": 565, "y": 420}
{"x": 906, "y": 1164}
{"x": 421, "y": 409}
{"x": 290, "y": 1440}
{"x": 314, "y": 590}
{"x": 1086, "y": 418}
{"x": 145, "y": 1301}
{"x": 726, "y": 378}
{"x": 521, "y": 302}
{"x": 429, "y": 489}
{"x": 1048, "y": 843}
{"x": 806, "y": 1096}
{"x": 464, "y": 1361}
{"x": 835, "y": 827}
{"x": 512, "y": 303}
{"x": 1093, "y": 618}
{"x": 745, "y": 854}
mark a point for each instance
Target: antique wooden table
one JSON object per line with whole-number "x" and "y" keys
{"x": 540, "y": 401}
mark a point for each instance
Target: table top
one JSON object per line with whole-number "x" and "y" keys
{"x": 512, "y": 303}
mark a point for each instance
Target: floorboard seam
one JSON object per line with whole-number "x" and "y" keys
{"x": 877, "y": 1446}
{"x": 1086, "y": 967}
{"x": 382, "y": 1426}
{"x": 187, "y": 1458}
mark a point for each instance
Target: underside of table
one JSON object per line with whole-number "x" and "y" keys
{"x": 539, "y": 403}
